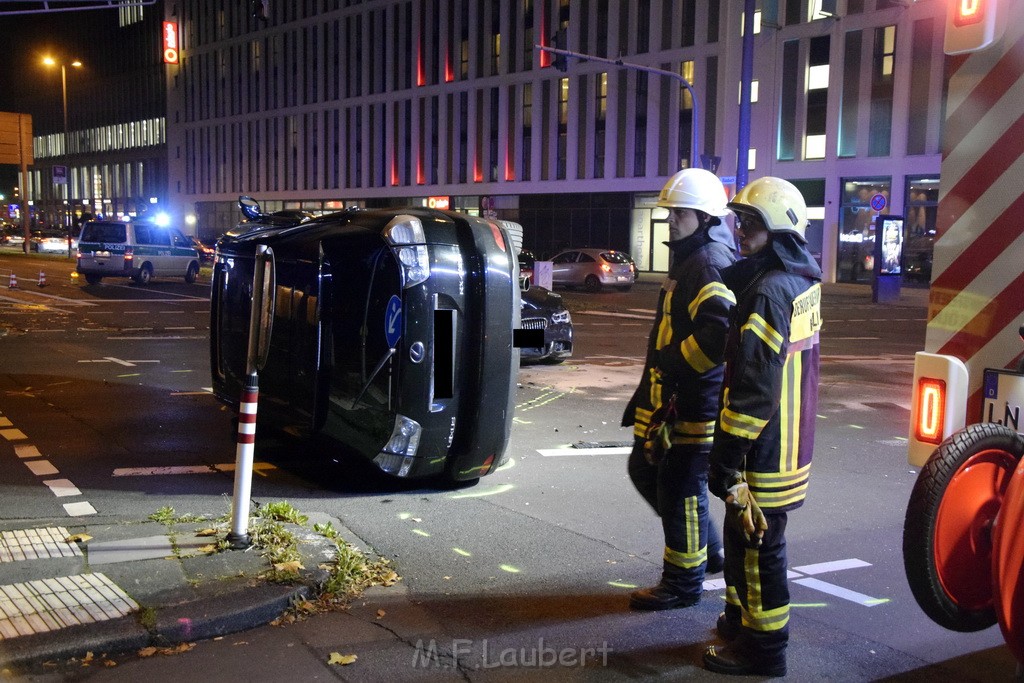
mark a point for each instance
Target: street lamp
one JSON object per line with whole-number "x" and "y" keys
{"x": 51, "y": 62}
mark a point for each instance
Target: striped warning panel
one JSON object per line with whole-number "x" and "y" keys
{"x": 35, "y": 544}
{"x": 975, "y": 303}
{"x": 53, "y": 604}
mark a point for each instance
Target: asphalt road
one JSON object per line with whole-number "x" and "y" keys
{"x": 112, "y": 381}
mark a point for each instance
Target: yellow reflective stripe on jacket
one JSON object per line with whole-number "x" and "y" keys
{"x": 789, "y": 413}
{"x": 768, "y": 334}
{"x": 690, "y": 433}
{"x": 665, "y": 325}
{"x": 693, "y": 355}
{"x": 777, "y": 480}
{"x": 706, "y": 292}
{"x": 738, "y": 424}
{"x": 778, "y": 499}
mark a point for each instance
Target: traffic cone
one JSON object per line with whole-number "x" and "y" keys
{"x": 42, "y": 279}
{"x": 13, "y": 284}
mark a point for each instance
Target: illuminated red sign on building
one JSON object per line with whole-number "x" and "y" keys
{"x": 170, "y": 42}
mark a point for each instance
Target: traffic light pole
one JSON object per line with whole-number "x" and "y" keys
{"x": 694, "y": 154}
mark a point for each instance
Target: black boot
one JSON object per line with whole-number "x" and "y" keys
{"x": 676, "y": 589}
{"x": 728, "y": 630}
{"x": 731, "y": 660}
{"x": 661, "y": 597}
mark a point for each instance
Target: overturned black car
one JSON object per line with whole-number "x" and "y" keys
{"x": 391, "y": 333}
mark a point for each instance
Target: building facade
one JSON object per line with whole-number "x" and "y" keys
{"x": 115, "y": 152}
{"x": 334, "y": 103}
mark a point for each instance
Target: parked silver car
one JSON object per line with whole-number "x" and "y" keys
{"x": 593, "y": 268}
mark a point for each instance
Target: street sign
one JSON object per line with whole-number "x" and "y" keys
{"x": 60, "y": 175}
{"x": 878, "y": 201}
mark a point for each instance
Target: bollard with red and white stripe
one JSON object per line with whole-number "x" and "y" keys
{"x": 13, "y": 282}
{"x": 245, "y": 446}
{"x": 42, "y": 279}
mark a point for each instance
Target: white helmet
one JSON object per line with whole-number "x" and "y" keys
{"x": 695, "y": 188}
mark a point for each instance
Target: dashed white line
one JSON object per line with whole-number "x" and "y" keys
{"x": 41, "y": 468}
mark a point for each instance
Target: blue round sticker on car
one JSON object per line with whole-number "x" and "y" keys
{"x": 393, "y": 321}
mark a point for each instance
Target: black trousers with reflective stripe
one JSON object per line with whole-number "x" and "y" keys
{"x": 677, "y": 489}
{"x": 757, "y": 591}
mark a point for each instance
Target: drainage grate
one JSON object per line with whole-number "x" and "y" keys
{"x": 52, "y": 604}
{"x": 34, "y": 544}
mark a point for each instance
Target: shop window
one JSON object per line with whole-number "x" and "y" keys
{"x": 922, "y": 206}
{"x": 855, "y": 262}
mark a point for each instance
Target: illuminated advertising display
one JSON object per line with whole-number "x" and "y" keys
{"x": 170, "y": 42}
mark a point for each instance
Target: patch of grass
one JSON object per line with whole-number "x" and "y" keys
{"x": 147, "y": 618}
{"x": 282, "y": 512}
{"x": 164, "y": 515}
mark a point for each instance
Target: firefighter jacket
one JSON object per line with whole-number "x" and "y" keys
{"x": 765, "y": 430}
{"x": 684, "y": 351}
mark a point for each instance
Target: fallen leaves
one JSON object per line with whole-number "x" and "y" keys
{"x": 176, "y": 650}
{"x": 381, "y": 613}
{"x": 292, "y": 566}
{"x": 342, "y": 660}
{"x": 78, "y": 538}
{"x": 207, "y": 532}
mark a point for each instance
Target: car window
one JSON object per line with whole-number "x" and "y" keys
{"x": 160, "y": 237}
{"x": 104, "y": 232}
{"x": 567, "y": 257}
{"x": 586, "y": 258}
{"x": 615, "y": 257}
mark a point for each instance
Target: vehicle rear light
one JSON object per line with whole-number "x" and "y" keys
{"x": 498, "y": 238}
{"x": 931, "y": 409}
{"x": 606, "y": 268}
{"x": 405, "y": 234}
{"x": 128, "y": 254}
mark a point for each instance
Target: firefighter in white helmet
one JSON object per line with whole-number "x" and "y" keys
{"x": 673, "y": 409}
{"x": 764, "y": 437}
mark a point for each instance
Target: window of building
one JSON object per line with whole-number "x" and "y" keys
{"x": 563, "y": 127}
{"x": 711, "y": 106}
{"x": 527, "y": 143}
{"x": 582, "y": 131}
{"x": 685, "y": 153}
{"x": 786, "y": 150}
{"x": 600, "y": 113}
{"x": 640, "y": 126}
{"x": 817, "y": 97}
{"x": 793, "y": 12}
{"x": 714, "y": 20}
{"x": 643, "y": 31}
{"x": 602, "y": 22}
{"x": 918, "y": 113}
{"x": 754, "y": 89}
{"x": 880, "y": 134}
{"x": 921, "y": 212}
{"x": 849, "y": 98}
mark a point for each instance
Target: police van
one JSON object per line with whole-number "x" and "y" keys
{"x": 389, "y": 333}
{"x": 140, "y": 250}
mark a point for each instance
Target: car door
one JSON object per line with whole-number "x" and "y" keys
{"x": 562, "y": 267}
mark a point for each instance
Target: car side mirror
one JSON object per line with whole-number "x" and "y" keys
{"x": 250, "y": 207}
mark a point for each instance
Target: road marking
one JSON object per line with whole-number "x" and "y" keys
{"x": 5, "y": 422}
{"x": 612, "y": 314}
{"x": 41, "y": 467}
{"x": 161, "y": 337}
{"x": 126, "y": 363}
{"x": 79, "y": 509}
{"x": 27, "y": 451}
{"x": 187, "y": 469}
{"x": 800, "y": 575}
{"x": 62, "y": 487}
{"x": 840, "y": 592}
{"x": 13, "y": 434}
{"x": 553, "y": 452}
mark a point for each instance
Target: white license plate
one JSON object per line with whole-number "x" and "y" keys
{"x": 1002, "y": 398}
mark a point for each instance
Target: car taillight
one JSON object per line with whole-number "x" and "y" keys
{"x": 406, "y": 236}
{"x": 128, "y": 254}
{"x": 931, "y": 409}
{"x": 497, "y": 236}
{"x": 606, "y": 268}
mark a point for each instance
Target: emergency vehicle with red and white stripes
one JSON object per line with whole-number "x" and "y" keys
{"x": 963, "y": 537}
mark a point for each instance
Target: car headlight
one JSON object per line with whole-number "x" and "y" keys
{"x": 561, "y": 317}
{"x": 406, "y": 236}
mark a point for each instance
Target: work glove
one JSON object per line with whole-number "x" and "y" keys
{"x": 657, "y": 443}
{"x": 744, "y": 514}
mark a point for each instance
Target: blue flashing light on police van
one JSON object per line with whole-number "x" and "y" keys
{"x": 162, "y": 219}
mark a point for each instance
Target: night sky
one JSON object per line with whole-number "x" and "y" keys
{"x": 26, "y": 86}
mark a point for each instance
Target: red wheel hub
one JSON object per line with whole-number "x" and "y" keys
{"x": 1008, "y": 564}
{"x": 963, "y": 527}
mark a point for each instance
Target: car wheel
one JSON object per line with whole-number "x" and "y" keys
{"x": 947, "y": 534}
{"x": 93, "y": 279}
{"x": 592, "y": 283}
{"x": 145, "y": 275}
{"x": 191, "y": 273}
